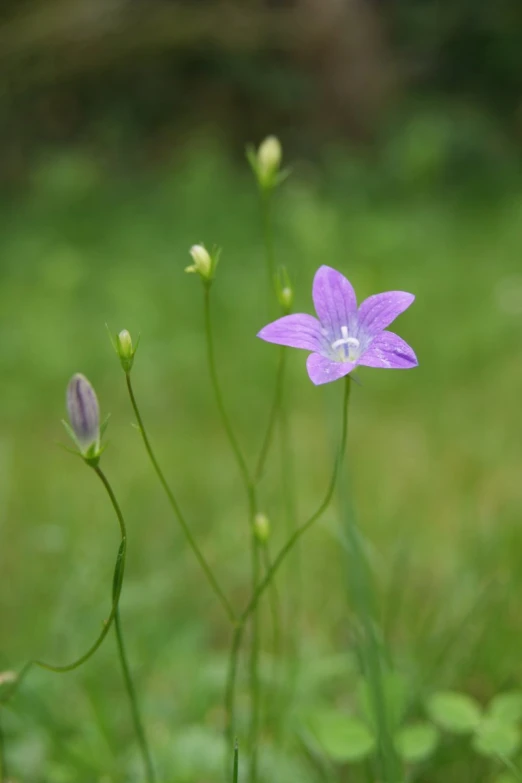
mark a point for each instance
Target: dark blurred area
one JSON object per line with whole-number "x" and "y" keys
{"x": 132, "y": 79}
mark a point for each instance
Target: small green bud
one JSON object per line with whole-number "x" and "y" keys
{"x": 269, "y": 156}
{"x": 285, "y": 293}
{"x": 262, "y": 528}
{"x": 202, "y": 262}
{"x": 125, "y": 349}
{"x": 7, "y": 683}
{"x": 266, "y": 163}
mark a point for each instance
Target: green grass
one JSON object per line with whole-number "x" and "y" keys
{"x": 436, "y": 455}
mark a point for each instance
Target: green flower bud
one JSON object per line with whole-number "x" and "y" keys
{"x": 262, "y": 528}
{"x": 7, "y": 683}
{"x": 269, "y": 156}
{"x": 125, "y": 349}
{"x": 285, "y": 293}
{"x": 266, "y": 163}
{"x": 202, "y": 261}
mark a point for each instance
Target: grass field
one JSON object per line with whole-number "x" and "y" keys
{"x": 435, "y": 455}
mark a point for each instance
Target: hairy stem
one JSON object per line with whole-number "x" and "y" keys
{"x": 177, "y": 509}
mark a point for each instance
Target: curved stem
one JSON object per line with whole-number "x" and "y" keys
{"x": 177, "y": 509}
{"x": 3, "y": 763}
{"x": 131, "y": 691}
{"x": 119, "y": 570}
{"x": 315, "y": 516}
{"x": 274, "y": 412}
{"x": 219, "y": 397}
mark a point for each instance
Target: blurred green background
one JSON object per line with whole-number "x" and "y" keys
{"x": 122, "y": 130}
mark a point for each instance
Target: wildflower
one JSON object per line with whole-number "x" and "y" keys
{"x": 344, "y": 335}
{"x": 84, "y": 417}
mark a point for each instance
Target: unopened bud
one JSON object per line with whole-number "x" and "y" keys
{"x": 269, "y": 156}
{"x": 202, "y": 262}
{"x": 284, "y": 290}
{"x": 83, "y": 410}
{"x": 125, "y": 349}
{"x": 262, "y": 528}
{"x": 7, "y": 682}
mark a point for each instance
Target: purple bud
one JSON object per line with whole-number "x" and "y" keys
{"x": 83, "y": 410}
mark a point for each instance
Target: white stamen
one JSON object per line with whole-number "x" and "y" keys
{"x": 345, "y": 340}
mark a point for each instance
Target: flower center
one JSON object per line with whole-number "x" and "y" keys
{"x": 347, "y": 348}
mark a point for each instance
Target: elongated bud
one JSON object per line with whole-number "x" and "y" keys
{"x": 262, "y": 528}
{"x": 84, "y": 413}
{"x": 269, "y": 156}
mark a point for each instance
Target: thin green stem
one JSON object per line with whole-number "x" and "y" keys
{"x": 240, "y": 459}
{"x": 273, "y": 416}
{"x": 275, "y": 612}
{"x": 266, "y": 214}
{"x": 235, "y": 773}
{"x": 177, "y": 509}
{"x": 371, "y": 653}
{"x": 131, "y": 692}
{"x": 231, "y": 682}
{"x": 254, "y": 666}
{"x": 3, "y": 763}
{"x": 284, "y": 551}
{"x": 119, "y": 570}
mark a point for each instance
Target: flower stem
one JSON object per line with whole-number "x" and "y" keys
{"x": 273, "y": 416}
{"x": 116, "y": 590}
{"x": 284, "y": 551}
{"x": 235, "y": 773}
{"x": 275, "y": 611}
{"x": 266, "y": 215}
{"x": 119, "y": 570}
{"x": 250, "y": 489}
{"x": 131, "y": 691}
{"x": 3, "y": 762}
{"x": 177, "y": 509}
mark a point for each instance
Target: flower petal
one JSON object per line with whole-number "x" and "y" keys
{"x": 296, "y": 331}
{"x": 378, "y": 311}
{"x": 334, "y": 300}
{"x": 323, "y": 370}
{"x": 390, "y": 351}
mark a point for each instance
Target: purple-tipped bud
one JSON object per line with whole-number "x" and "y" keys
{"x": 84, "y": 412}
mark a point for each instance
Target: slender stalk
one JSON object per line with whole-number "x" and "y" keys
{"x": 250, "y": 489}
{"x": 3, "y": 763}
{"x": 275, "y": 611}
{"x": 371, "y": 654}
{"x": 177, "y": 509}
{"x": 310, "y": 521}
{"x": 240, "y": 459}
{"x": 266, "y": 215}
{"x": 267, "y": 579}
{"x": 131, "y": 691}
{"x": 273, "y": 416}
{"x": 116, "y": 590}
{"x": 235, "y": 773}
{"x": 254, "y": 667}
{"x": 119, "y": 570}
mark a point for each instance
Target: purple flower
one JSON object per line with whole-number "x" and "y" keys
{"x": 344, "y": 335}
{"x": 83, "y": 410}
